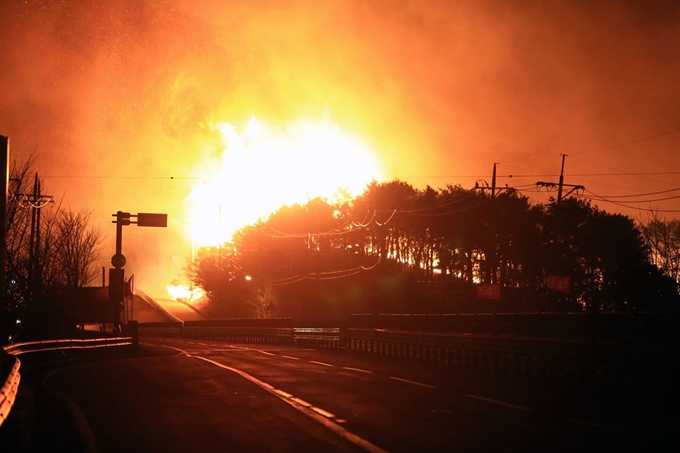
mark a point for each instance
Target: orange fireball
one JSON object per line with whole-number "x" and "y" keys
{"x": 263, "y": 168}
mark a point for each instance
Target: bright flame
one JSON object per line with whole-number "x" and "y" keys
{"x": 264, "y": 168}
{"x": 185, "y": 293}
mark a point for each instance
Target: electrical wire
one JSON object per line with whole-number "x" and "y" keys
{"x": 644, "y": 194}
{"x": 622, "y": 172}
{"x": 624, "y": 205}
{"x": 441, "y": 214}
{"x": 388, "y": 220}
{"x": 632, "y": 142}
{"x": 326, "y": 275}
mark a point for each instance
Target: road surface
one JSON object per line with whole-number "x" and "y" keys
{"x": 180, "y": 395}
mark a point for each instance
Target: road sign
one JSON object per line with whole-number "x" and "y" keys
{"x": 118, "y": 260}
{"x": 152, "y": 220}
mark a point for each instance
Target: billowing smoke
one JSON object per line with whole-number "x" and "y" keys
{"x": 117, "y": 98}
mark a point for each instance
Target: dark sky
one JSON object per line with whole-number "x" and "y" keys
{"x": 116, "y": 97}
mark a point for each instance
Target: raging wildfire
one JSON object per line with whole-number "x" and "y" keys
{"x": 402, "y": 250}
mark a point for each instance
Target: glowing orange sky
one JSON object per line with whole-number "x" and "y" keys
{"x": 118, "y": 97}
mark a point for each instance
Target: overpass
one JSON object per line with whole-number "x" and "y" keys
{"x": 146, "y": 309}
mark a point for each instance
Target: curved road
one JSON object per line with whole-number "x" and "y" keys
{"x": 180, "y": 395}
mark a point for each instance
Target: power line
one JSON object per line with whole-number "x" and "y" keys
{"x": 651, "y": 173}
{"x": 561, "y": 185}
{"x": 617, "y": 203}
{"x": 632, "y": 142}
{"x": 169, "y": 177}
{"x": 642, "y": 194}
{"x": 650, "y": 200}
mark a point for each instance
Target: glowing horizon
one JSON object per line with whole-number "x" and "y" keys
{"x": 263, "y": 168}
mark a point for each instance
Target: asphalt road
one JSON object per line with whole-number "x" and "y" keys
{"x": 179, "y": 395}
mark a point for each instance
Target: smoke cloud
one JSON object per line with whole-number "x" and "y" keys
{"x": 117, "y": 98}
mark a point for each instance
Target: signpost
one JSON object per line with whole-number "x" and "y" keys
{"x": 117, "y": 273}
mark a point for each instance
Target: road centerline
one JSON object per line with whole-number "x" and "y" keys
{"x": 408, "y": 381}
{"x": 320, "y": 363}
{"x": 498, "y": 402}
{"x": 359, "y": 370}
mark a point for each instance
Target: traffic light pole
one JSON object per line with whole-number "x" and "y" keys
{"x": 119, "y": 233}
{"x": 117, "y": 273}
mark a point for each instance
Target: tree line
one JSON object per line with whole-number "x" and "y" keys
{"x": 396, "y": 248}
{"x": 48, "y": 249}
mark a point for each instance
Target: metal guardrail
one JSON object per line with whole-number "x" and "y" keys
{"x": 575, "y": 325}
{"x": 9, "y": 391}
{"x": 317, "y": 336}
{"x": 570, "y": 359}
{"x": 267, "y": 335}
{"x": 467, "y": 345}
{"x": 64, "y": 344}
{"x": 10, "y": 388}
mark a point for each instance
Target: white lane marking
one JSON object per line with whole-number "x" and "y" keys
{"x": 251, "y": 349}
{"x": 203, "y": 344}
{"x": 282, "y": 393}
{"x": 357, "y": 369}
{"x": 320, "y": 363}
{"x": 289, "y": 357}
{"x": 413, "y": 382}
{"x": 328, "y": 423}
{"x": 302, "y": 402}
{"x": 498, "y": 402}
{"x": 322, "y": 412}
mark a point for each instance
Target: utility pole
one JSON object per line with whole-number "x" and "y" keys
{"x": 35, "y": 201}
{"x": 556, "y": 266}
{"x": 4, "y": 163}
{"x": 561, "y": 185}
{"x": 559, "y": 189}
{"x": 494, "y": 188}
{"x": 492, "y": 274}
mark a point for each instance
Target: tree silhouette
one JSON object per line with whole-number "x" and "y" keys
{"x": 663, "y": 239}
{"x": 394, "y": 247}
{"x": 44, "y": 257}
